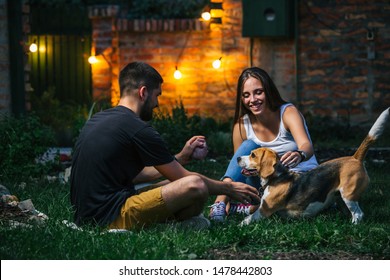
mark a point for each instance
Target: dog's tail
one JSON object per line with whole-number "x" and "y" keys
{"x": 374, "y": 133}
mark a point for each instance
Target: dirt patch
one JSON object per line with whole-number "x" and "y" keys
{"x": 229, "y": 254}
{"x": 18, "y": 213}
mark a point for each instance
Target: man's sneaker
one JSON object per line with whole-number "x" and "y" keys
{"x": 218, "y": 211}
{"x": 195, "y": 223}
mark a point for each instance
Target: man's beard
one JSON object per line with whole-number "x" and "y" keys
{"x": 147, "y": 110}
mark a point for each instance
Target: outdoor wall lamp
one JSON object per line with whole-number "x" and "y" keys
{"x": 213, "y": 12}
{"x": 92, "y": 59}
{"x": 206, "y": 15}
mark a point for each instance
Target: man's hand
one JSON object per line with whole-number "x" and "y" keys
{"x": 186, "y": 153}
{"x": 244, "y": 193}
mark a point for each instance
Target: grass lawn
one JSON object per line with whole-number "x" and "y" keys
{"x": 328, "y": 236}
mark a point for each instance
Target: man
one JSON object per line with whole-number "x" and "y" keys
{"x": 117, "y": 149}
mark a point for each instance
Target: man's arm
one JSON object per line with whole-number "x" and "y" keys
{"x": 235, "y": 190}
{"x": 149, "y": 173}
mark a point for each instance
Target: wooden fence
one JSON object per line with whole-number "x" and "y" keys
{"x": 60, "y": 64}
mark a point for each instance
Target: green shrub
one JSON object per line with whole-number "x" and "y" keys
{"x": 22, "y": 140}
{"x": 64, "y": 118}
{"x": 178, "y": 127}
{"x": 326, "y": 132}
{"x": 220, "y": 144}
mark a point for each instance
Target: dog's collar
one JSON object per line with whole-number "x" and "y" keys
{"x": 264, "y": 182}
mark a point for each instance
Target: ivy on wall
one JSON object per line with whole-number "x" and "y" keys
{"x": 160, "y": 9}
{"x": 141, "y": 9}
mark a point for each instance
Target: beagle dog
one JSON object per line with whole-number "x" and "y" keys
{"x": 296, "y": 195}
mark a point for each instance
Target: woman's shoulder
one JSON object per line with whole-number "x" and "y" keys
{"x": 291, "y": 116}
{"x": 289, "y": 108}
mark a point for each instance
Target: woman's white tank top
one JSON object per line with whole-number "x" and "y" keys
{"x": 283, "y": 142}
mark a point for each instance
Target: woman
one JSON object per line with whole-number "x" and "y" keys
{"x": 263, "y": 119}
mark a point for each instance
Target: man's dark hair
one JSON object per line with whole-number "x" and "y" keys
{"x": 137, "y": 74}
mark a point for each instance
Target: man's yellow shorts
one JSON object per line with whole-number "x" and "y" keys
{"x": 141, "y": 210}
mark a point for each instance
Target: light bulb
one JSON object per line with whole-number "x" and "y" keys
{"x": 33, "y": 47}
{"x": 177, "y": 74}
{"x": 206, "y": 16}
{"x": 92, "y": 59}
{"x": 217, "y": 63}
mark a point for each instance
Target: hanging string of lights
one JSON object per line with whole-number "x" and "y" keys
{"x": 212, "y": 12}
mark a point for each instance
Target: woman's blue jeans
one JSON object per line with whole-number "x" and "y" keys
{"x": 233, "y": 170}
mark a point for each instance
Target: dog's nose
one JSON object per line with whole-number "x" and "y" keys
{"x": 238, "y": 159}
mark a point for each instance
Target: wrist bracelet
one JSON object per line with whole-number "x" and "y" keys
{"x": 302, "y": 154}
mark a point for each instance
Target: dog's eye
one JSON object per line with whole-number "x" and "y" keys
{"x": 253, "y": 155}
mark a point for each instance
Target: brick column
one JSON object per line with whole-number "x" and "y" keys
{"x": 104, "y": 46}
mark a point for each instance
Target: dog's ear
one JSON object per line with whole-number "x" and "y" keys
{"x": 267, "y": 164}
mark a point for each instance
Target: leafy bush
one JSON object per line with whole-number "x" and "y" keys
{"x": 326, "y": 132}
{"x": 64, "y": 118}
{"x": 177, "y": 128}
{"x": 22, "y": 140}
{"x": 220, "y": 143}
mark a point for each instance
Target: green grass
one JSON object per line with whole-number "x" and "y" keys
{"x": 330, "y": 234}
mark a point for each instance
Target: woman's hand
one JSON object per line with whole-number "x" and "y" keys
{"x": 291, "y": 159}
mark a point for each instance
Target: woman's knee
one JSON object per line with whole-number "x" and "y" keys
{"x": 246, "y": 147}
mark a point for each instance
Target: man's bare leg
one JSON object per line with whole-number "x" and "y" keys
{"x": 186, "y": 197}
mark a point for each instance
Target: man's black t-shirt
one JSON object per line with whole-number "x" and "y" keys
{"x": 113, "y": 147}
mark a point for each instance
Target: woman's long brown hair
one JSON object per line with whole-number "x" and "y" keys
{"x": 274, "y": 100}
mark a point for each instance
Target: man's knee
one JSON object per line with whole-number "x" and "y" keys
{"x": 197, "y": 188}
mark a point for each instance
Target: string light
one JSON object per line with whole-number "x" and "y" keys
{"x": 33, "y": 47}
{"x": 177, "y": 74}
{"x": 217, "y": 63}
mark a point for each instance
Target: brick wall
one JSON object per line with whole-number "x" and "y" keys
{"x": 344, "y": 57}
{"x": 5, "y": 98}
{"x": 341, "y": 54}
{"x": 338, "y": 65}
{"x": 190, "y": 45}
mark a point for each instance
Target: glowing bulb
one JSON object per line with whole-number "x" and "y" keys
{"x": 217, "y": 63}
{"x": 33, "y": 47}
{"x": 177, "y": 74}
{"x": 206, "y": 16}
{"x": 92, "y": 59}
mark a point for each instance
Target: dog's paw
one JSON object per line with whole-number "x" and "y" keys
{"x": 251, "y": 218}
{"x": 245, "y": 222}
